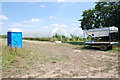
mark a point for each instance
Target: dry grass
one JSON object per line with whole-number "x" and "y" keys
{"x": 44, "y": 59}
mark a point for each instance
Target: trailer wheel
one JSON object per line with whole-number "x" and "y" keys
{"x": 103, "y": 47}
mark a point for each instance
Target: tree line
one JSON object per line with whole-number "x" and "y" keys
{"x": 58, "y": 37}
{"x": 104, "y": 14}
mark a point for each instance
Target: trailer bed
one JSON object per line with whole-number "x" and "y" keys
{"x": 102, "y": 45}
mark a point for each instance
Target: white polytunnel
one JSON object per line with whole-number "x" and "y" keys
{"x": 60, "y": 31}
{"x": 100, "y": 32}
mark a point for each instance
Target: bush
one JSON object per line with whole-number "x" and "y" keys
{"x": 37, "y": 39}
{"x": 12, "y": 55}
{"x": 56, "y": 38}
{"x": 3, "y": 36}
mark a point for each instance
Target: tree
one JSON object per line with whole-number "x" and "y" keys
{"x": 104, "y": 14}
{"x": 88, "y": 19}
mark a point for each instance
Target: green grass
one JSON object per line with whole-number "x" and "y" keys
{"x": 11, "y": 56}
{"x": 3, "y": 36}
{"x": 14, "y": 56}
{"x": 37, "y": 39}
{"x": 75, "y": 43}
{"x": 52, "y": 39}
{"x": 50, "y": 57}
{"x": 32, "y": 56}
{"x": 59, "y": 58}
{"x": 116, "y": 48}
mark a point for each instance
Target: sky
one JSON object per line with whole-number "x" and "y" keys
{"x": 43, "y": 19}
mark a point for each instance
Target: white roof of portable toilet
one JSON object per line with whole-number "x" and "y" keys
{"x": 14, "y": 30}
{"x": 99, "y": 32}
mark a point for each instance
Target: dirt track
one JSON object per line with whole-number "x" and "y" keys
{"x": 64, "y": 60}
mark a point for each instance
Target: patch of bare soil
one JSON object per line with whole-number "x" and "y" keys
{"x": 51, "y": 60}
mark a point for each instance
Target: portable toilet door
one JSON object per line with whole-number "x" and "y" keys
{"x": 14, "y": 38}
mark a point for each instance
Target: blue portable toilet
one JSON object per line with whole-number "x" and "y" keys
{"x": 14, "y": 38}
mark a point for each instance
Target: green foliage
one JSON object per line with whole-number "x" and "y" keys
{"x": 108, "y": 0}
{"x": 37, "y": 39}
{"x": 116, "y": 48}
{"x": 88, "y": 19}
{"x": 75, "y": 38}
{"x": 104, "y": 14}
{"x": 89, "y": 38}
{"x": 56, "y": 37}
{"x": 3, "y": 36}
{"x": 11, "y": 55}
{"x": 76, "y": 43}
{"x": 63, "y": 38}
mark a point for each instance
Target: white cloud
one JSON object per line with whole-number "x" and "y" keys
{"x": 35, "y": 20}
{"x": 77, "y": 0}
{"x": 73, "y": 24}
{"x": 13, "y": 25}
{"x": 45, "y": 27}
{"x": 1, "y": 22}
{"x": 53, "y": 17}
{"x": 60, "y": 25}
{"x": 65, "y": 26}
{"x": 3, "y": 17}
{"x": 42, "y": 6}
{"x": 50, "y": 0}
{"x": 61, "y": 0}
{"x": 76, "y": 24}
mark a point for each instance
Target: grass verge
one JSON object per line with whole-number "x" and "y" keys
{"x": 116, "y": 48}
{"x": 11, "y": 56}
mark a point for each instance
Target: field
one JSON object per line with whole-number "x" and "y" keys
{"x": 39, "y": 59}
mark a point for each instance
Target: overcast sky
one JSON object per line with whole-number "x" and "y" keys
{"x": 43, "y": 19}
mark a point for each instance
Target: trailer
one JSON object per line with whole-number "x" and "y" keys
{"x": 100, "y": 32}
{"x": 103, "y": 45}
